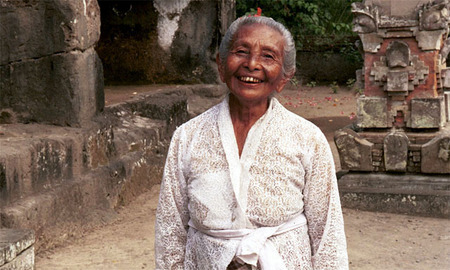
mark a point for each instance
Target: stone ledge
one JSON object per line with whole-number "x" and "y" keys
{"x": 424, "y": 195}
{"x": 16, "y": 249}
{"x": 83, "y": 202}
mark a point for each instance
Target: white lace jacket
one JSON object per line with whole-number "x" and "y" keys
{"x": 286, "y": 168}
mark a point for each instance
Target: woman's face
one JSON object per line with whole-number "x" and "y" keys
{"x": 253, "y": 67}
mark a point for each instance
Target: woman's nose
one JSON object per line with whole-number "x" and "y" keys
{"x": 253, "y": 62}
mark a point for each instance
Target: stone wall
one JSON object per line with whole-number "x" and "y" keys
{"x": 49, "y": 70}
{"x": 162, "y": 41}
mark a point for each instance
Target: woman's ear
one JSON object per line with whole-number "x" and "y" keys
{"x": 220, "y": 68}
{"x": 283, "y": 83}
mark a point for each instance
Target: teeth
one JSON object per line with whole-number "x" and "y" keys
{"x": 249, "y": 79}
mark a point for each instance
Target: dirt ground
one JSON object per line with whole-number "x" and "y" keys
{"x": 375, "y": 240}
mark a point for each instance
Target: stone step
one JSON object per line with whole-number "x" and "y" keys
{"x": 34, "y": 158}
{"x": 120, "y": 156}
{"x": 424, "y": 195}
{"x": 83, "y": 202}
{"x": 16, "y": 249}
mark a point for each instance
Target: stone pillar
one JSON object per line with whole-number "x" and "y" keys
{"x": 49, "y": 70}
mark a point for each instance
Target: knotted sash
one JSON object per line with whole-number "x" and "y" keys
{"x": 254, "y": 246}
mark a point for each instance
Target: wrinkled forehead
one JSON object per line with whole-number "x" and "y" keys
{"x": 262, "y": 34}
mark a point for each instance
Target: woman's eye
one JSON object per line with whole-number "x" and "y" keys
{"x": 268, "y": 56}
{"x": 241, "y": 52}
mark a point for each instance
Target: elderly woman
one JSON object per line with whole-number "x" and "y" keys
{"x": 248, "y": 184}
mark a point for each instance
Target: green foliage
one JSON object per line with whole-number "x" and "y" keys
{"x": 294, "y": 81}
{"x": 311, "y": 84}
{"x": 351, "y": 85}
{"x": 359, "y": 90}
{"x": 317, "y": 25}
{"x": 350, "y": 82}
{"x": 334, "y": 87}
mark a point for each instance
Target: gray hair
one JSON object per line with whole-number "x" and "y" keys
{"x": 289, "y": 45}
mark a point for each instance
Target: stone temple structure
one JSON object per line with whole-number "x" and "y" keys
{"x": 402, "y": 133}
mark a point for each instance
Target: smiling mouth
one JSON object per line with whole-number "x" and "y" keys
{"x": 249, "y": 79}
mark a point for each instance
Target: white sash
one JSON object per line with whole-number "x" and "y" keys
{"x": 253, "y": 246}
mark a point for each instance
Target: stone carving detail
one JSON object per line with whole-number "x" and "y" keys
{"x": 355, "y": 152}
{"x": 399, "y": 114}
{"x": 396, "y": 151}
{"x": 444, "y": 150}
{"x": 365, "y": 20}
{"x": 436, "y": 155}
{"x": 397, "y": 54}
{"x": 434, "y": 16}
{"x": 445, "y": 50}
{"x": 398, "y": 72}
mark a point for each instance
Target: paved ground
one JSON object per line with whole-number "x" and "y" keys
{"x": 375, "y": 240}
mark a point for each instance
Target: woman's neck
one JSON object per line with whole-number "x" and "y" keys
{"x": 243, "y": 116}
{"x": 246, "y": 113}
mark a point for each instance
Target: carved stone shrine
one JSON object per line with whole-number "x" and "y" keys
{"x": 402, "y": 130}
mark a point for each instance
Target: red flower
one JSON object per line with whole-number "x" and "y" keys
{"x": 258, "y": 13}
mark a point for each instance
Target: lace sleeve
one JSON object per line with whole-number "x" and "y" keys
{"x": 323, "y": 210}
{"x": 172, "y": 212}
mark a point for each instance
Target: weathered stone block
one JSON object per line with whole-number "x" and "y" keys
{"x": 401, "y": 8}
{"x": 436, "y": 154}
{"x": 15, "y": 166}
{"x": 371, "y": 42}
{"x": 24, "y": 261}
{"x": 62, "y": 89}
{"x": 359, "y": 84}
{"x": 407, "y": 194}
{"x": 396, "y": 151}
{"x": 16, "y": 249}
{"x": 3, "y": 182}
{"x": 35, "y": 158}
{"x": 35, "y": 28}
{"x": 51, "y": 160}
{"x": 397, "y": 81}
{"x": 372, "y": 112}
{"x": 430, "y": 40}
{"x": 354, "y": 151}
{"x": 427, "y": 113}
{"x": 447, "y": 105}
{"x": 98, "y": 147}
{"x": 446, "y": 78}
{"x": 170, "y": 106}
